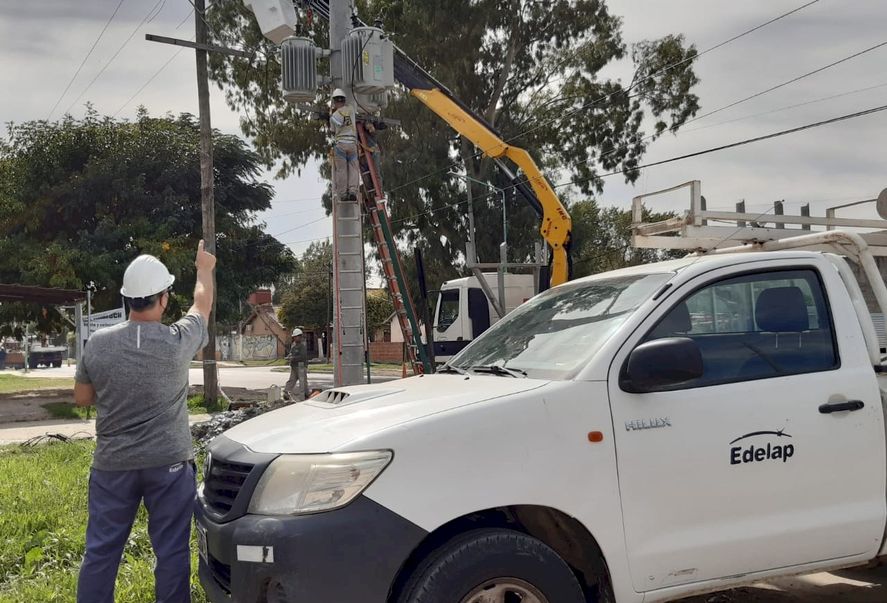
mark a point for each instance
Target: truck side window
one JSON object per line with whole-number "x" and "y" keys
{"x": 449, "y": 308}
{"x": 756, "y": 326}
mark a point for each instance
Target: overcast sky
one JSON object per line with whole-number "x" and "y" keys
{"x": 42, "y": 44}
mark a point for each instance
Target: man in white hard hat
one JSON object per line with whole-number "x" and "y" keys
{"x": 346, "y": 174}
{"x": 136, "y": 374}
{"x": 298, "y": 358}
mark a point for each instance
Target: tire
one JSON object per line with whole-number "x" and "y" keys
{"x": 57, "y": 364}
{"x": 474, "y": 566}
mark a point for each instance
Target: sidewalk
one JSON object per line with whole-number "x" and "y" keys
{"x": 14, "y": 433}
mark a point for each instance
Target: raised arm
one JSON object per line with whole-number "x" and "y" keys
{"x": 203, "y": 288}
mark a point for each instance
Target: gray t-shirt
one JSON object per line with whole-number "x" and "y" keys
{"x": 140, "y": 374}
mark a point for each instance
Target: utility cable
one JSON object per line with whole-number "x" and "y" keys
{"x": 86, "y": 58}
{"x": 649, "y": 165}
{"x": 150, "y": 79}
{"x": 585, "y": 106}
{"x": 114, "y": 56}
{"x": 787, "y": 82}
{"x": 786, "y": 108}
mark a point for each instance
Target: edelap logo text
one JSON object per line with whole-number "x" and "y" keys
{"x": 757, "y": 452}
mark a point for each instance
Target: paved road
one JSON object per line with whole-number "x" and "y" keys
{"x": 258, "y": 377}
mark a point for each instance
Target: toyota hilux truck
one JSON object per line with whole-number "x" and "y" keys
{"x": 635, "y": 436}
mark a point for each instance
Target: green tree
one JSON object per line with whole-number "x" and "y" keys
{"x": 379, "y": 311}
{"x": 305, "y": 296}
{"x": 533, "y": 69}
{"x": 602, "y": 239}
{"x": 80, "y": 198}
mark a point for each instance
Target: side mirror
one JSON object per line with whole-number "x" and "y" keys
{"x": 661, "y": 363}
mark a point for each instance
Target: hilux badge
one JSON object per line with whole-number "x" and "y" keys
{"x": 638, "y": 424}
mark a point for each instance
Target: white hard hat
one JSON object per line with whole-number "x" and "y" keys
{"x": 145, "y": 276}
{"x": 338, "y": 92}
{"x": 297, "y": 332}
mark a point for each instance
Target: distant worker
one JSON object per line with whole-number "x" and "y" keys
{"x": 298, "y": 358}
{"x": 346, "y": 173}
{"x": 136, "y": 374}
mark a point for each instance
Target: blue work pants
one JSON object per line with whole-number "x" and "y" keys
{"x": 114, "y": 498}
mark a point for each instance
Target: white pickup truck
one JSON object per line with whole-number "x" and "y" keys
{"x": 639, "y": 435}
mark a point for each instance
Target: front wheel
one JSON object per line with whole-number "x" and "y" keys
{"x": 493, "y": 566}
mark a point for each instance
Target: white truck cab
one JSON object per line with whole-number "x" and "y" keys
{"x": 635, "y": 436}
{"x": 463, "y": 311}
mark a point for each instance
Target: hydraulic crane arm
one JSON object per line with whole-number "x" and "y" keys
{"x": 556, "y": 226}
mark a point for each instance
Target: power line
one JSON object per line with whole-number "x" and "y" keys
{"x": 114, "y": 56}
{"x": 150, "y": 79}
{"x": 787, "y": 107}
{"x": 740, "y": 143}
{"x": 86, "y": 58}
{"x": 620, "y": 91}
{"x": 299, "y": 226}
{"x": 787, "y": 82}
{"x": 736, "y": 144}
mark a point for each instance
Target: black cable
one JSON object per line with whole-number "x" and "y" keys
{"x": 150, "y": 79}
{"x": 114, "y": 56}
{"x": 787, "y": 82}
{"x": 640, "y": 167}
{"x": 786, "y": 108}
{"x": 620, "y": 91}
{"x": 83, "y": 62}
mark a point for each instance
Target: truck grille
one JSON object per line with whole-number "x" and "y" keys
{"x": 223, "y": 483}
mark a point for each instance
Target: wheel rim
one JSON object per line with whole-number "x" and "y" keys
{"x": 505, "y": 590}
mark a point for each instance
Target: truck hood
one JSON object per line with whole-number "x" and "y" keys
{"x": 346, "y": 415}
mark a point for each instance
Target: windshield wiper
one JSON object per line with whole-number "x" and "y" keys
{"x": 495, "y": 369}
{"x": 449, "y": 368}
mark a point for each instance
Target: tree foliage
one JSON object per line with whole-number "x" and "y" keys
{"x": 602, "y": 239}
{"x": 305, "y": 292}
{"x": 81, "y": 198}
{"x": 379, "y": 311}
{"x": 534, "y": 70}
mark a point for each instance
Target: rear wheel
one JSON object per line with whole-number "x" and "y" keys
{"x": 493, "y": 566}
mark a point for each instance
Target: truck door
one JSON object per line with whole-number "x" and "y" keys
{"x": 774, "y": 456}
{"x": 451, "y": 323}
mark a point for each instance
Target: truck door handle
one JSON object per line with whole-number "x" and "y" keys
{"x": 849, "y": 405}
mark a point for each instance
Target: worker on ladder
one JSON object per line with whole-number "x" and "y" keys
{"x": 346, "y": 173}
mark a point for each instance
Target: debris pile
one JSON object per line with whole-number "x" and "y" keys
{"x": 220, "y": 422}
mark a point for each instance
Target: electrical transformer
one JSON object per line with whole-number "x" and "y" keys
{"x": 368, "y": 61}
{"x": 298, "y": 59}
{"x": 371, "y": 103}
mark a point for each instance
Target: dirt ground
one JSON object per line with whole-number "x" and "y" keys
{"x": 845, "y": 586}
{"x": 28, "y": 406}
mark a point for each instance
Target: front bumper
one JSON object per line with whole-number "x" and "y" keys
{"x": 350, "y": 555}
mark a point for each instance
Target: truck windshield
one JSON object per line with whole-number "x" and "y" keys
{"x": 556, "y": 332}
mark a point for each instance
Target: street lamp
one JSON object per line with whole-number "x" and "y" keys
{"x": 471, "y": 206}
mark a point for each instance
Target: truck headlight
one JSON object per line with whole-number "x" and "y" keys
{"x": 309, "y": 483}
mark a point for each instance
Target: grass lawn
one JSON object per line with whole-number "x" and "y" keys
{"x": 43, "y": 526}
{"x": 65, "y": 410}
{"x": 11, "y": 384}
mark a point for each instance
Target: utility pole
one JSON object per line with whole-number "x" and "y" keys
{"x": 207, "y": 202}
{"x": 348, "y": 262}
